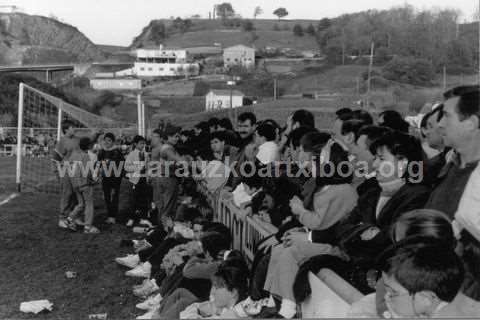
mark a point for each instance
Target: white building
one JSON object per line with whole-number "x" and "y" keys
{"x": 116, "y": 84}
{"x": 161, "y": 63}
{"x": 220, "y": 99}
{"x": 239, "y": 55}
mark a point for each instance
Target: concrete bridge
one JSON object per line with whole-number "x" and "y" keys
{"x": 49, "y": 69}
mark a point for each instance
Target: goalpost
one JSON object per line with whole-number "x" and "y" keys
{"x": 41, "y": 115}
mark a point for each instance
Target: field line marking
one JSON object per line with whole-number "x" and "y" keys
{"x": 8, "y": 199}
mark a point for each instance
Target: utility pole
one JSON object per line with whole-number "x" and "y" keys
{"x": 370, "y": 74}
{"x": 444, "y": 78}
{"x": 274, "y": 89}
{"x": 343, "y": 46}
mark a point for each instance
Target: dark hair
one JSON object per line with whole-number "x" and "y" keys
{"x": 137, "y": 139}
{"x": 314, "y": 141}
{"x": 190, "y": 214}
{"x": 469, "y": 102}
{"x": 425, "y": 265}
{"x": 247, "y": 116}
{"x": 232, "y": 278}
{"x": 373, "y": 132}
{"x": 219, "y": 227}
{"x": 202, "y": 125}
{"x": 437, "y": 111}
{"x": 343, "y": 111}
{"x": 304, "y": 118}
{"x": 214, "y": 243}
{"x": 267, "y": 131}
{"x": 296, "y": 135}
{"x": 109, "y": 135}
{"x": 352, "y": 126}
{"x": 220, "y": 135}
{"x": 362, "y": 115}
{"x": 85, "y": 143}
{"x": 471, "y": 258}
{"x": 401, "y": 145}
{"x": 427, "y": 223}
{"x": 345, "y": 116}
{"x": 67, "y": 124}
{"x": 235, "y": 259}
{"x": 225, "y": 123}
{"x": 213, "y": 122}
{"x": 394, "y": 120}
{"x": 338, "y": 156}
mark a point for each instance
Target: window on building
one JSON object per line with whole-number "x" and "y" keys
{"x": 150, "y": 69}
{"x": 142, "y": 69}
{"x": 161, "y": 69}
{"x": 236, "y": 60}
{"x": 172, "y": 69}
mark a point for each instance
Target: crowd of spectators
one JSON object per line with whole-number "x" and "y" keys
{"x": 394, "y": 214}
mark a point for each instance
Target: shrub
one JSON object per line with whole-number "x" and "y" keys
{"x": 248, "y": 26}
{"x": 298, "y": 30}
{"x": 409, "y": 70}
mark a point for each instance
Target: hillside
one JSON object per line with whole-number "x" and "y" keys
{"x": 27, "y": 39}
{"x": 207, "y": 32}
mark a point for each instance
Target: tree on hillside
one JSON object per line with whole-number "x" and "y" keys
{"x": 324, "y": 24}
{"x": 182, "y": 25}
{"x": 248, "y": 26}
{"x": 409, "y": 70}
{"x": 258, "y": 11}
{"x": 225, "y": 10}
{"x": 280, "y": 13}
{"x": 310, "y": 30}
{"x": 298, "y": 30}
{"x": 158, "y": 32}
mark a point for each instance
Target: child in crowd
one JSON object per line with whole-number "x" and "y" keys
{"x": 110, "y": 157}
{"x": 422, "y": 279}
{"x": 136, "y": 167}
{"x": 229, "y": 287}
{"x": 82, "y": 183}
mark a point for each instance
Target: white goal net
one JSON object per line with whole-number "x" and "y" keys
{"x": 40, "y": 118}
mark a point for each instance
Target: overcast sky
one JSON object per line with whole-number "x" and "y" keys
{"x": 117, "y": 22}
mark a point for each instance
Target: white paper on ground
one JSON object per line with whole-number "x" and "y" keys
{"x": 36, "y": 306}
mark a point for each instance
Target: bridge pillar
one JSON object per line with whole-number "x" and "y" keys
{"x": 48, "y": 76}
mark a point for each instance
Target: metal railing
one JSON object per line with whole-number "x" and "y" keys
{"x": 247, "y": 231}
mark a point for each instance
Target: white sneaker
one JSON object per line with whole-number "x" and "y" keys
{"x": 79, "y": 222}
{"x": 138, "y": 286}
{"x": 130, "y": 223}
{"x": 62, "y": 223}
{"x": 150, "y": 303}
{"x": 141, "y": 271}
{"x": 147, "y": 223}
{"x": 149, "y": 288}
{"x": 152, "y": 314}
{"x": 130, "y": 261}
{"x": 139, "y": 245}
{"x": 111, "y": 221}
